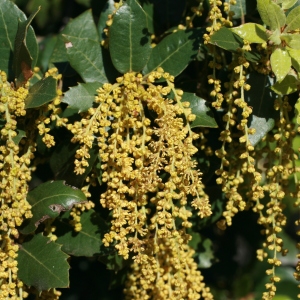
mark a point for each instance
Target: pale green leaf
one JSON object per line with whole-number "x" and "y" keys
{"x": 42, "y": 264}
{"x": 295, "y": 56}
{"x": 275, "y": 37}
{"x": 277, "y": 16}
{"x": 287, "y": 86}
{"x": 293, "y": 20}
{"x": 252, "y": 32}
{"x": 292, "y": 40}
{"x": 286, "y": 4}
{"x": 85, "y": 57}
{"x": 280, "y": 63}
{"x": 297, "y": 111}
{"x": 262, "y": 7}
{"x": 129, "y": 39}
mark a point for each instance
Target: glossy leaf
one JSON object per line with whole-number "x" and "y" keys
{"x": 20, "y": 134}
{"x": 9, "y": 16}
{"x": 287, "y": 86}
{"x": 293, "y": 20}
{"x": 48, "y": 200}
{"x": 261, "y": 98}
{"x": 175, "y": 51}
{"x": 252, "y": 32}
{"x": 148, "y": 7}
{"x": 85, "y": 57}
{"x": 108, "y": 9}
{"x": 204, "y": 116}
{"x": 42, "y": 92}
{"x": 129, "y": 39}
{"x": 230, "y": 41}
{"x": 87, "y": 241}
{"x": 42, "y": 264}
{"x": 280, "y": 63}
{"x": 82, "y": 96}
{"x": 22, "y": 61}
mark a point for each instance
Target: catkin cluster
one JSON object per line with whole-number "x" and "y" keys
{"x": 14, "y": 177}
{"x": 146, "y": 146}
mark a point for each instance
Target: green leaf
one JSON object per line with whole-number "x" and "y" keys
{"x": 129, "y": 39}
{"x": 108, "y": 9}
{"x": 277, "y": 16}
{"x": 271, "y": 14}
{"x": 297, "y": 111}
{"x": 22, "y": 61}
{"x": 175, "y": 51}
{"x": 252, "y": 32}
{"x": 204, "y": 116}
{"x": 47, "y": 47}
{"x": 48, "y": 200}
{"x": 42, "y": 264}
{"x": 263, "y": 9}
{"x": 9, "y": 16}
{"x": 295, "y": 56}
{"x": 41, "y": 92}
{"x": 87, "y": 241}
{"x": 293, "y": 20}
{"x": 82, "y": 96}
{"x": 287, "y": 86}
{"x": 292, "y": 40}
{"x": 148, "y": 8}
{"x": 281, "y": 63}
{"x": 230, "y": 41}
{"x": 19, "y": 136}
{"x": 239, "y": 9}
{"x": 62, "y": 163}
{"x": 81, "y": 27}
{"x": 261, "y": 98}
{"x": 85, "y": 57}
{"x": 288, "y": 4}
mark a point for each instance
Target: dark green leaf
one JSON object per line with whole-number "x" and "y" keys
{"x": 62, "y": 163}
{"x": 48, "y": 200}
{"x": 86, "y": 3}
{"x": 82, "y": 96}
{"x": 230, "y": 41}
{"x": 108, "y": 9}
{"x": 42, "y": 264}
{"x": 9, "y": 16}
{"x": 175, "y": 51}
{"x": 22, "y": 61}
{"x": 204, "y": 116}
{"x": 87, "y": 241}
{"x": 81, "y": 27}
{"x": 129, "y": 39}
{"x": 287, "y": 86}
{"x": 19, "y": 136}
{"x": 41, "y": 93}
{"x": 148, "y": 7}
{"x": 109, "y": 256}
{"x": 47, "y": 47}
{"x": 261, "y": 98}
{"x": 85, "y": 57}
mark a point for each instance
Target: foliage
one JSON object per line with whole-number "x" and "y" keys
{"x": 154, "y": 142}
